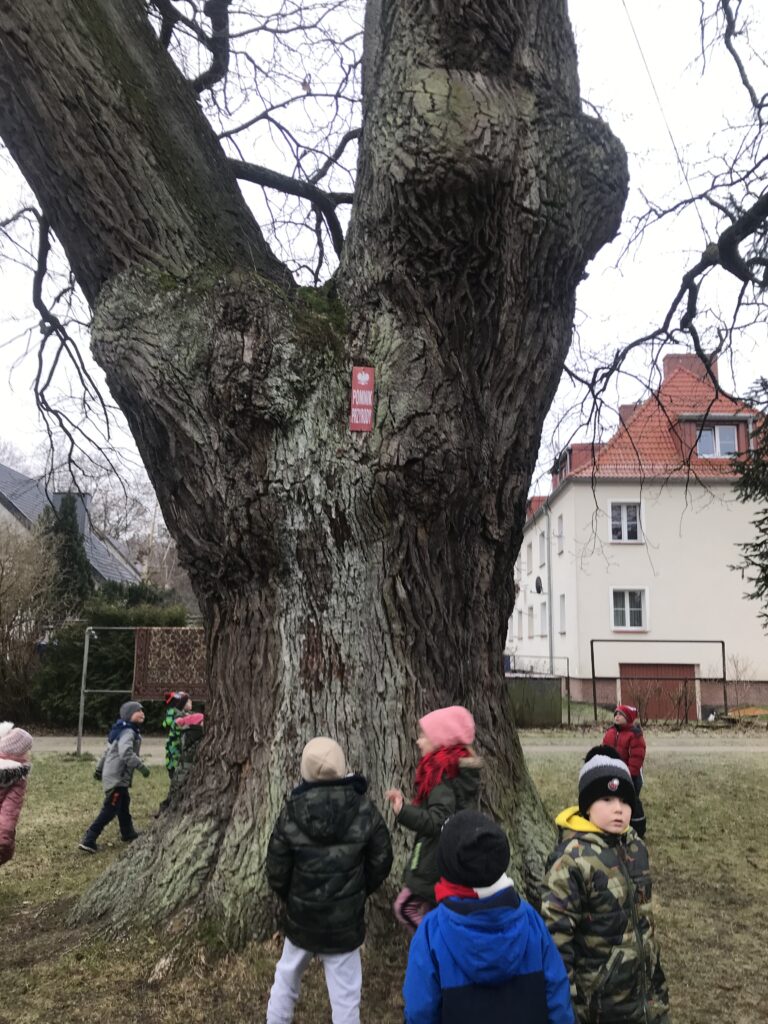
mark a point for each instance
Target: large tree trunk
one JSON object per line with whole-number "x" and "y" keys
{"x": 350, "y": 582}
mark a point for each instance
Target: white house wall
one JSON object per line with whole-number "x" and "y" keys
{"x": 690, "y": 541}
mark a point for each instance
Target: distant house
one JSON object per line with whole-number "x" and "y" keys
{"x": 22, "y": 500}
{"x": 637, "y": 542}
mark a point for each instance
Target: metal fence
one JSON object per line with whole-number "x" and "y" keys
{"x": 673, "y": 701}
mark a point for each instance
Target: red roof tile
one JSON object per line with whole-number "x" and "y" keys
{"x": 534, "y": 504}
{"x": 659, "y": 440}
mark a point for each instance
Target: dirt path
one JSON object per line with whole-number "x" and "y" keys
{"x": 656, "y": 749}
{"x": 662, "y": 744}
{"x": 152, "y": 747}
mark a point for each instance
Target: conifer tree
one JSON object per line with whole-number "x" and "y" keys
{"x": 753, "y": 486}
{"x": 73, "y": 583}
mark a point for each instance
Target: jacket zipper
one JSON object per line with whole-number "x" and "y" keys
{"x": 636, "y": 927}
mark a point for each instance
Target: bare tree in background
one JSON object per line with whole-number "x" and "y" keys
{"x": 27, "y": 604}
{"x": 721, "y": 296}
{"x": 348, "y": 581}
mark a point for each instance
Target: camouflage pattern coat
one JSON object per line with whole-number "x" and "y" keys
{"x": 597, "y": 906}
{"x": 329, "y": 850}
{"x": 173, "y": 743}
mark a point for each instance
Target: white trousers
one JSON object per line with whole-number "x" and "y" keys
{"x": 343, "y": 977}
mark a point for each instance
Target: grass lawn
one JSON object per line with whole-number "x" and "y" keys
{"x": 707, "y": 812}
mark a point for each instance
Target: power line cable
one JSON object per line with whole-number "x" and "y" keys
{"x": 664, "y": 118}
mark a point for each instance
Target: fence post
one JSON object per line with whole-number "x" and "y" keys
{"x": 725, "y": 683}
{"x": 83, "y": 677}
{"x": 568, "y": 693}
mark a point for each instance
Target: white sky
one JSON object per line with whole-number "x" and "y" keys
{"x": 615, "y": 303}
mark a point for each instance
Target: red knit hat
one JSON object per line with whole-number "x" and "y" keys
{"x": 449, "y": 727}
{"x": 628, "y": 711}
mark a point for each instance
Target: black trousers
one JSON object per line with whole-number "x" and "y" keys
{"x": 117, "y": 804}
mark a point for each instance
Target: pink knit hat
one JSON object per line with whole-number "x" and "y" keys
{"x": 449, "y": 727}
{"x": 13, "y": 742}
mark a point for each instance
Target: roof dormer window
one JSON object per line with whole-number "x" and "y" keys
{"x": 718, "y": 441}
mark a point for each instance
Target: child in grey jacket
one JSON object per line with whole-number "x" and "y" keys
{"x": 115, "y": 771}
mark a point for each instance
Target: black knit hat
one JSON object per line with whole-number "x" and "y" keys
{"x": 472, "y": 850}
{"x": 604, "y": 774}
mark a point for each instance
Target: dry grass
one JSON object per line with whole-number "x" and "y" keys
{"x": 707, "y": 814}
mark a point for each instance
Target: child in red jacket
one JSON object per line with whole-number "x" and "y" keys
{"x": 626, "y": 736}
{"x": 15, "y": 745}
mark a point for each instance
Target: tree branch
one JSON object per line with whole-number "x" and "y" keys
{"x": 218, "y": 13}
{"x": 350, "y": 136}
{"x": 326, "y": 202}
{"x": 729, "y": 34}
{"x": 170, "y": 17}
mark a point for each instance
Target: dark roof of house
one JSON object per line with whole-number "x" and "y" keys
{"x": 25, "y": 497}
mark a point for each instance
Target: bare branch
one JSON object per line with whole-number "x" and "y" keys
{"x": 326, "y": 202}
{"x": 350, "y": 136}
{"x": 218, "y": 13}
{"x": 729, "y": 34}
{"x": 170, "y": 17}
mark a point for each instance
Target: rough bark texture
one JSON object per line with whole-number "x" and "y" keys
{"x": 349, "y": 582}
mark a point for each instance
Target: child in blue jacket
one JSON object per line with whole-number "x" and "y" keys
{"x": 484, "y": 954}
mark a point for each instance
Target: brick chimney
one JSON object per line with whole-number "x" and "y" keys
{"x": 690, "y": 362}
{"x": 626, "y": 412}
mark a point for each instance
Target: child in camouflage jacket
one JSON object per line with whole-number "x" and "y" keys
{"x": 597, "y": 902}
{"x": 178, "y": 703}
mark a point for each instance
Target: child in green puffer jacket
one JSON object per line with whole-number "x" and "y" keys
{"x": 447, "y": 780}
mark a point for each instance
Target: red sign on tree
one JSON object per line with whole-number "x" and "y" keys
{"x": 361, "y": 412}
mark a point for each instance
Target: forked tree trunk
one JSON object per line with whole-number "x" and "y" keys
{"x": 350, "y": 582}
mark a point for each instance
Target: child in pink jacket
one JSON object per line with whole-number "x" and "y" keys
{"x": 15, "y": 745}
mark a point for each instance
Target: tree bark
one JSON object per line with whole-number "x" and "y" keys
{"x": 349, "y": 582}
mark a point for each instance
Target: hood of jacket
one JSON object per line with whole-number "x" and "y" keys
{"x": 12, "y": 771}
{"x": 119, "y": 726}
{"x": 570, "y": 821}
{"x": 468, "y": 779}
{"x": 325, "y": 810}
{"x": 488, "y": 938}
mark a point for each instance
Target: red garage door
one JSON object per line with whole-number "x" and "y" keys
{"x": 663, "y": 692}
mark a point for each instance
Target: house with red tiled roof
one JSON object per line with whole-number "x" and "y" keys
{"x": 628, "y": 562}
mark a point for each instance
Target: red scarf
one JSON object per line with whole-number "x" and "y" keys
{"x": 445, "y": 889}
{"x": 432, "y": 768}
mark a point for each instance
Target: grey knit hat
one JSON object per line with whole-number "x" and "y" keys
{"x": 604, "y": 774}
{"x": 130, "y": 708}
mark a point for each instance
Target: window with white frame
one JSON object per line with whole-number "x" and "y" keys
{"x": 520, "y": 624}
{"x": 560, "y": 535}
{"x": 530, "y": 621}
{"x": 717, "y": 441}
{"x": 625, "y": 521}
{"x": 629, "y": 609}
{"x": 529, "y": 557}
{"x": 562, "y": 614}
{"x": 542, "y": 549}
{"x": 543, "y": 619}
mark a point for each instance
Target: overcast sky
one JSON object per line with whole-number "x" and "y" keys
{"x": 615, "y": 303}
